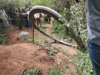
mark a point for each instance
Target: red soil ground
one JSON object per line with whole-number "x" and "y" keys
{"x": 19, "y": 56}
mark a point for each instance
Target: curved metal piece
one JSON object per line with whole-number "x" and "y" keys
{"x": 48, "y": 11}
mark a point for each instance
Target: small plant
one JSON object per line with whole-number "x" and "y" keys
{"x": 34, "y": 72}
{"x": 55, "y": 71}
{"x": 36, "y": 42}
{"x": 42, "y": 28}
{"x": 31, "y": 72}
{"x": 52, "y": 52}
{"x": 66, "y": 66}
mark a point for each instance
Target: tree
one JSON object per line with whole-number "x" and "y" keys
{"x": 15, "y": 3}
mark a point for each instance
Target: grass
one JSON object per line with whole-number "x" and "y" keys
{"x": 83, "y": 64}
{"x": 55, "y": 71}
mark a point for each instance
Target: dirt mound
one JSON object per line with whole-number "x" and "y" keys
{"x": 22, "y": 55}
{"x": 14, "y": 59}
{"x": 17, "y": 57}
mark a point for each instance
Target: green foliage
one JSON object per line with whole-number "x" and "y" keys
{"x": 52, "y": 52}
{"x": 60, "y": 31}
{"x": 1, "y": 4}
{"x": 15, "y": 3}
{"x": 31, "y": 72}
{"x": 75, "y": 16}
{"x": 41, "y": 2}
{"x": 2, "y": 35}
{"x": 36, "y": 42}
{"x": 42, "y": 28}
{"x": 83, "y": 64}
{"x": 34, "y": 71}
{"x": 78, "y": 20}
{"x": 54, "y": 4}
{"x": 55, "y": 71}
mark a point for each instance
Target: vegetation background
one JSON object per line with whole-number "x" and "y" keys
{"x": 73, "y": 12}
